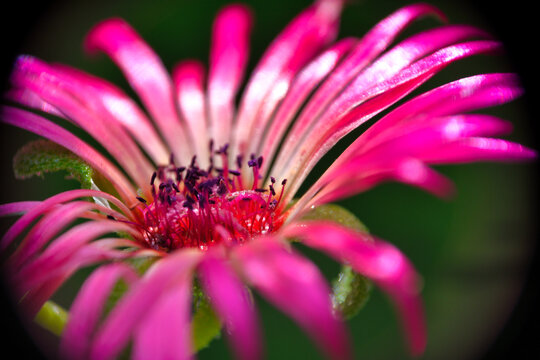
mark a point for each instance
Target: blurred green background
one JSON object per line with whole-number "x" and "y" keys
{"x": 473, "y": 251}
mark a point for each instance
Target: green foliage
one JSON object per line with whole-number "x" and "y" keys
{"x": 205, "y": 324}
{"x": 44, "y": 156}
{"x": 350, "y": 290}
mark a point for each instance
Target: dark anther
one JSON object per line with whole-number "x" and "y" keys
{"x": 154, "y": 174}
{"x": 171, "y": 159}
{"x": 193, "y": 160}
{"x": 239, "y": 159}
{"x": 273, "y": 179}
{"x": 141, "y": 199}
{"x": 110, "y": 217}
{"x": 188, "y": 205}
{"x": 234, "y": 172}
{"x": 259, "y": 161}
{"x": 223, "y": 150}
{"x": 261, "y": 190}
{"x": 284, "y": 182}
{"x": 272, "y": 190}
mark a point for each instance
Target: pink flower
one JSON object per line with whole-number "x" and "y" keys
{"x": 207, "y": 190}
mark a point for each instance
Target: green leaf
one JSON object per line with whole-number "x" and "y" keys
{"x": 44, "y": 156}
{"x": 336, "y": 214}
{"x": 350, "y": 290}
{"x": 205, "y": 325}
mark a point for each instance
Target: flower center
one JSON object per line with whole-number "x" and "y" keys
{"x": 199, "y": 208}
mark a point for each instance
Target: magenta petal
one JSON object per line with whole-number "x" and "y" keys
{"x": 146, "y": 74}
{"x": 296, "y": 286}
{"x": 304, "y": 83}
{"x": 462, "y": 95}
{"x": 70, "y": 93}
{"x": 132, "y": 309}
{"x": 60, "y": 250}
{"x": 379, "y": 261}
{"x": 45, "y": 206}
{"x": 88, "y": 306}
{"x": 228, "y": 57}
{"x": 165, "y": 331}
{"x": 479, "y": 149}
{"x": 188, "y": 77}
{"x": 40, "y": 126}
{"x": 303, "y": 37}
{"x": 121, "y": 109}
{"x": 331, "y": 105}
{"x": 232, "y": 302}
{"x": 17, "y": 208}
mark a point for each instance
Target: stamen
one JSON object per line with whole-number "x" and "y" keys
{"x": 201, "y": 208}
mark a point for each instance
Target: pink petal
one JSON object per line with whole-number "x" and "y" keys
{"x": 45, "y": 128}
{"x": 146, "y": 74}
{"x": 62, "y": 248}
{"x": 462, "y": 95}
{"x": 165, "y": 332}
{"x": 354, "y": 108}
{"x": 44, "y": 230}
{"x": 380, "y": 261}
{"x": 304, "y": 83}
{"x": 75, "y": 100}
{"x": 228, "y": 57}
{"x": 88, "y": 307}
{"x": 124, "y": 111}
{"x": 232, "y": 302}
{"x": 45, "y": 206}
{"x": 294, "y": 47}
{"x": 479, "y": 149}
{"x": 17, "y": 208}
{"x": 295, "y": 285}
{"x": 328, "y": 106}
{"x": 188, "y": 78}
{"x": 132, "y": 309}
{"x": 31, "y": 99}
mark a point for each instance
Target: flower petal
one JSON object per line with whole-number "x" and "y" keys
{"x": 188, "y": 77}
{"x": 342, "y": 90}
{"x": 43, "y": 127}
{"x": 228, "y": 58}
{"x": 123, "y": 110}
{"x": 88, "y": 306}
{"x": 305, "y": 35}
{"x": 232, "y": 302}
{"x": 304, "y": 83}
{"x": 43, "y": 207}
{"x": 303, "y": 293}
{"x": 377, "y": 260}
{"x": 353, "y": 108}
{"x": 74, "y": 98}
{"x": 17, "y": 208}
{"x": 146, "y": 74}
{"x": 165, "y": 331}
{"x": 132, "y": 309}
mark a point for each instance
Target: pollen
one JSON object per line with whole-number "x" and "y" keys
{"x": 194, "y": 207}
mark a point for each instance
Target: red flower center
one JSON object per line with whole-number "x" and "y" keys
{"x": 199, "y": 208}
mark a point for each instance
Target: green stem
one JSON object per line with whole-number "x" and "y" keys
{"x": 52, "y": 317}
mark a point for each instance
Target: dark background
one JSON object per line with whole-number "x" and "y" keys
{"x": 477, "y": 252}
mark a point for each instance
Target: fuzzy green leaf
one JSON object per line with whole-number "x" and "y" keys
{"x": 205, "y": 325}
{"x": 350, "y": 290}
{"x": 44, "y": 156}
